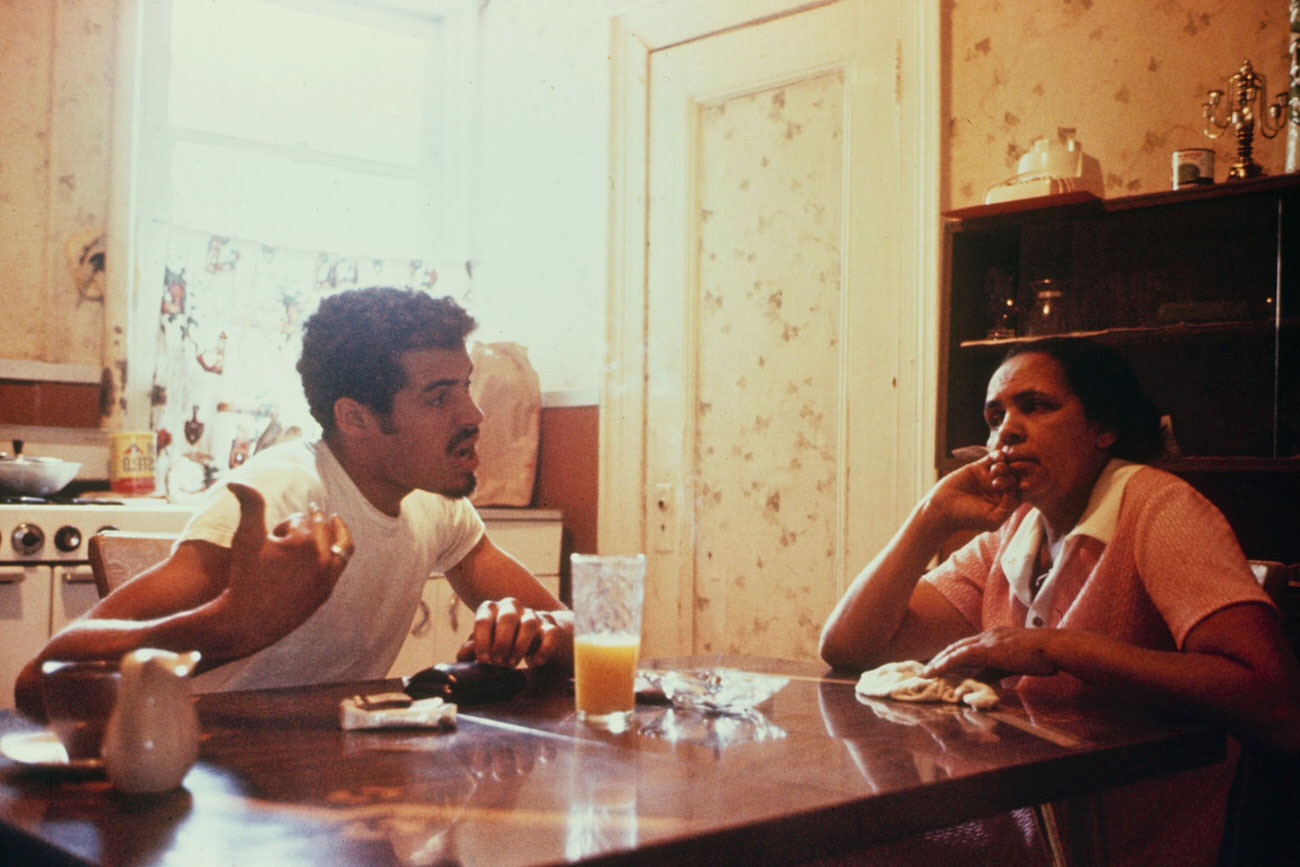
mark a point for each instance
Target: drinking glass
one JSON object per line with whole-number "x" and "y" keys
{"x": 608, "y": 591}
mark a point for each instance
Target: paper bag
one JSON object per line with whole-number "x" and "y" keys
{"x": 506, "y": 388}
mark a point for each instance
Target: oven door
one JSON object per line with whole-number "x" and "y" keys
{"x": 24, "y": 620}
{"x": 73, "y": 593}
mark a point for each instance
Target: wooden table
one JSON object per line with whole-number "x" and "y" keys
{"x": 817, "y": 772}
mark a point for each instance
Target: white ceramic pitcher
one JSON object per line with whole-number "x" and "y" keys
{"x": 152, "y": 738}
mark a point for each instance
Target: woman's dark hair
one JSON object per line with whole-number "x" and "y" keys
{"x": 352, "y": 344}
{"x": 1111, "y": 395}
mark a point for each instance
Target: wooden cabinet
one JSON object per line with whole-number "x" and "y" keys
{"x": 1198, "y": 289}
{"x": 443, "y": 622}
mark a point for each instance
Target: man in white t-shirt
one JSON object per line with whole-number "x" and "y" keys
{"x": 325, "y": 599}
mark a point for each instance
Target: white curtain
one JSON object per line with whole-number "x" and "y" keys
{"x": 230, "y": 314}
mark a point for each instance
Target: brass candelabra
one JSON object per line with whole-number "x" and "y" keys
{"x": 1247, "y": 87}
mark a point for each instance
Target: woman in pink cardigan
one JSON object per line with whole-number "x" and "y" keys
{"x": 1092, "y": 573}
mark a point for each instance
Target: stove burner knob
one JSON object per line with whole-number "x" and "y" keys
{"x": 28, "y": 538}
{"x": 67, "y": 539}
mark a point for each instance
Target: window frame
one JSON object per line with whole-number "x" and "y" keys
{"x": 143, "y": 141}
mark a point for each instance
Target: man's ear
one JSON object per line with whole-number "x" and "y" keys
{"x": 1104, "y": 438}
{"x": 353, "y": 418}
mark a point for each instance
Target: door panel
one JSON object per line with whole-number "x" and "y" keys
{"x": 766, "y": 418}
{"x": 781, "y": 309}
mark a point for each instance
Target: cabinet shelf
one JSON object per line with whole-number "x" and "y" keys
{"x": 1144, "y": 333}
{"x": 1183, "y": 466}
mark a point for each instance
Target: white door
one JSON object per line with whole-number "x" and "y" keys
{"x": 786, "y": 303}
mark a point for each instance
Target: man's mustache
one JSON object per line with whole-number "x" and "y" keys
{"x": 465, "y": 434}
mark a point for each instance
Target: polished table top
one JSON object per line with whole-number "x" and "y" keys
{"x": 815, "y": 772}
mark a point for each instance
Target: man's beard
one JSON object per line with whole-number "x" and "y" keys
{"x": 462, "y": 490}
{"x": 467, "y": 487}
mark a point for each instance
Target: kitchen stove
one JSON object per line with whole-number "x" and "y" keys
{"x": 53, "y": 530}
{"x": 45, "y": 576}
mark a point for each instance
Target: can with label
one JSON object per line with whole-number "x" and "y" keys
{"x": 131, "y": 456}
{"x": 1193, "y": 167}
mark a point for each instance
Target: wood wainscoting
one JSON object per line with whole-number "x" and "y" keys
{"x": 566, "y": 477}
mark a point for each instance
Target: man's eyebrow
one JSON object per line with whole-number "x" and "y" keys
{"x": 440, "y": 383}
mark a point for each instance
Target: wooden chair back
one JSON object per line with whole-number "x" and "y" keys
{"x": 116, "y": 556}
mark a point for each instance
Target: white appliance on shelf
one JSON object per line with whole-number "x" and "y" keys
{"x": 45, "y": 576}
{"x": 1050, "y": 168}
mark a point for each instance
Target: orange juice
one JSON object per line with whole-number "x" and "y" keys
{"x": 604, "y": 673}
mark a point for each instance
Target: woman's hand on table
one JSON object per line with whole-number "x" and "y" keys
{"x": 507, "y": 632}
{"x": 1009, "y": 649}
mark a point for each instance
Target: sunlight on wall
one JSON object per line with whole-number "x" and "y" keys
{"x": 540, "y": 270}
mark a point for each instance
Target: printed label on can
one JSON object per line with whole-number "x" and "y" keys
{"x": 1193, "y": 167}
{"x": 131, "y": 458}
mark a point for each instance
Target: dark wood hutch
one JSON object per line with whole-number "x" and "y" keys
{"x": 1199, "y": 289}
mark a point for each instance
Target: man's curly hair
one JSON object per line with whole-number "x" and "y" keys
{"x": 352, "y": 344}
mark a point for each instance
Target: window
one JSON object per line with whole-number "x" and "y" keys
{"x": 296, "y": 127}
{"x": 321, "y": 125}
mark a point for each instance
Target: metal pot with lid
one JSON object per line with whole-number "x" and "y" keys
{"x": 34, "y": 477}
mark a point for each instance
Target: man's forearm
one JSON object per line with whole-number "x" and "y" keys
{"x": 208, "y": 628}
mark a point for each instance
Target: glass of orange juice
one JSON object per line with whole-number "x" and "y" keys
{"x": 608, "y": 590}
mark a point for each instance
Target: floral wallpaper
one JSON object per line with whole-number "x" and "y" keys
{"x": 230, "y": 315}
{"x": 56, "y": 110}
{"x": 766, "y": 472}
{"x": 1129, "y": 75}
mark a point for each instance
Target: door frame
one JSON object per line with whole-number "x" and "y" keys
{"x": 624, "y": 497}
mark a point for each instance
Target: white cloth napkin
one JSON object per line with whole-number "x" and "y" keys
{"x": 904, "y": 681}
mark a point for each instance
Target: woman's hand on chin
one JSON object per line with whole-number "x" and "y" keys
{"x": 979, "y": 496}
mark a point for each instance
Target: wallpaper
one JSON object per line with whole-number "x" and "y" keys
{"x": 766, "y": 480}
{"x": 1129, "y": 75}
{"x": 56, "y": 104}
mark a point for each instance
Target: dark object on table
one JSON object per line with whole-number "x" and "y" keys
{"x": 465, "y": 683}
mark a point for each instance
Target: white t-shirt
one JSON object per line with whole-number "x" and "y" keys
{"x": 357, "y": 633}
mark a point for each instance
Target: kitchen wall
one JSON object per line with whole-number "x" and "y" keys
{"x": 1129, "y": 76}
{"x": 56, "y": 92}
{"x": 544, "y": 185}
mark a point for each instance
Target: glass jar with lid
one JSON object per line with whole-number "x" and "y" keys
{"x": 1048, "y": 312}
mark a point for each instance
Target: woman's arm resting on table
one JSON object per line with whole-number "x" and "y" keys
{"x": 1235, "y": 669}
{"x": 886, "y": 615}
{"x": 224, "y": 603}
{"x": 515, "y": 616}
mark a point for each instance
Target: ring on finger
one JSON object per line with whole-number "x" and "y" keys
{"x": 338, "y": 551}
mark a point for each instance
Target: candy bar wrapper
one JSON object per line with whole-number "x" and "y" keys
{"x": 395, "y": 710}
